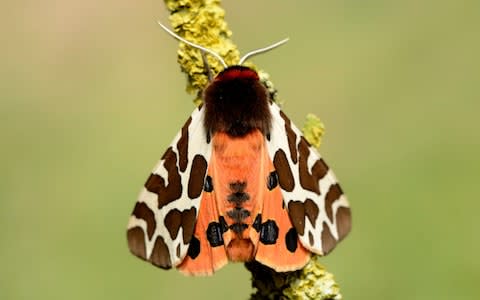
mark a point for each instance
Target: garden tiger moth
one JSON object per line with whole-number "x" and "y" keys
{"x": 238, "y": 183}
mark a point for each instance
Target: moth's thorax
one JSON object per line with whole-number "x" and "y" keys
{"x": 236, "y": 102}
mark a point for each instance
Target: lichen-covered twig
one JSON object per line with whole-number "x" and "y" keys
{"x": 311, "y": 282}
{"x": 202, "y": 22}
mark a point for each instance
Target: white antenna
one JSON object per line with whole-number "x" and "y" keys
{"x": 261, "y": 50}
{"x": 217, "y": 56}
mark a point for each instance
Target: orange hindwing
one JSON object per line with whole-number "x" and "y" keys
{"x": 242, "y": 216}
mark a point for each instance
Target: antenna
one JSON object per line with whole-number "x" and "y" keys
{"x": 217, "y": 56}
{"x": 261, "y": 50}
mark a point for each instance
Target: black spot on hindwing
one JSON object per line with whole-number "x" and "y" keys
{"x": 291, "y": 240}
{"x": 272, "y": 180}
{"x": 215, "y": 232}
{"x": 208, "y": 186}
{"x": 257, "y": 223}
{"x": 194, "y": 248}
{"x": 269, "y": 232}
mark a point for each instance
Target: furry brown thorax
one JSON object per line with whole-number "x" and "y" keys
{"x": 236, "y": 103}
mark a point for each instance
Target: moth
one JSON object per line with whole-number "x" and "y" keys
{"x": 238, "y": 183}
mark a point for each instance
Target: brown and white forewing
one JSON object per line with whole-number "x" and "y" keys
{"x": 163, "y": 220}
{"x": 316, "y": 204}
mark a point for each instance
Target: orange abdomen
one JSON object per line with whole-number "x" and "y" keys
{"x": 238, "y": 169}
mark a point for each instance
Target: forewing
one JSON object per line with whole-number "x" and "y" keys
{"x": 315, "y": 202}
{"x": 162, "y": 223}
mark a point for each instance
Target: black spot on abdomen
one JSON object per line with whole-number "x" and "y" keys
{"x": 238, "y": 227}
{"x": 238, "y": 214}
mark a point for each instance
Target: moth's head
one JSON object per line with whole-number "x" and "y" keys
{"x": 236, "y": 101}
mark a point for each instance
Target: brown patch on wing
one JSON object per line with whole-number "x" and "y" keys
{"x": 285, "y": 176}
{"x": 344, "y": 221}
{"x": 136, "y": 242}
{"x": 310, "y": 238}
{"x": 185, "y": 219}
{"x": 156, "y": 184}
{"x": 182, "y": 146}
{"x": 311, "y": 210}
{"x": 319, "y": 170}
{"x": 328, "y": 241}
{"x": 334, "y": 192}
{"x": 141, "y": 211}
{"x": 197, "y": 176}
{"x": 298, "y": 211}
{"x": 160, "y": 254}
{"x": 291, "y": 136}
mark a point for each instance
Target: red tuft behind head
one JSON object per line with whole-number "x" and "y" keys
{"x": 237, "y": 72}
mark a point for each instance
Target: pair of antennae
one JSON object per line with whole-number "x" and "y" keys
{"x": 216, "y": 55}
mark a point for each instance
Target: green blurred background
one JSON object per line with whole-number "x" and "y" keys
{"x": 91, "y": 95}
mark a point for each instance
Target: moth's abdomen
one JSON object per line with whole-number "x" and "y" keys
{"x": 236, "y": 168}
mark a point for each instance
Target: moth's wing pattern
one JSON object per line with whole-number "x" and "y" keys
{"x": 284, "y": 252}
{"x": 203, "y": 258}
{"x": 315, "y": 202}
{"x": 162, "y": 223}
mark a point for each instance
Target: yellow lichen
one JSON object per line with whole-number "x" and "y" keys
{"x": 313, "y": 130}
{"x": 203, "y": 23}
{"x": 312, "y": 282}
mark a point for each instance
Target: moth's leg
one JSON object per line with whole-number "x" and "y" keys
{"x": 208, "y": 70}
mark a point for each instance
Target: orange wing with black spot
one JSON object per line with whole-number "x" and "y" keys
{"x": 315, "y": 202}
